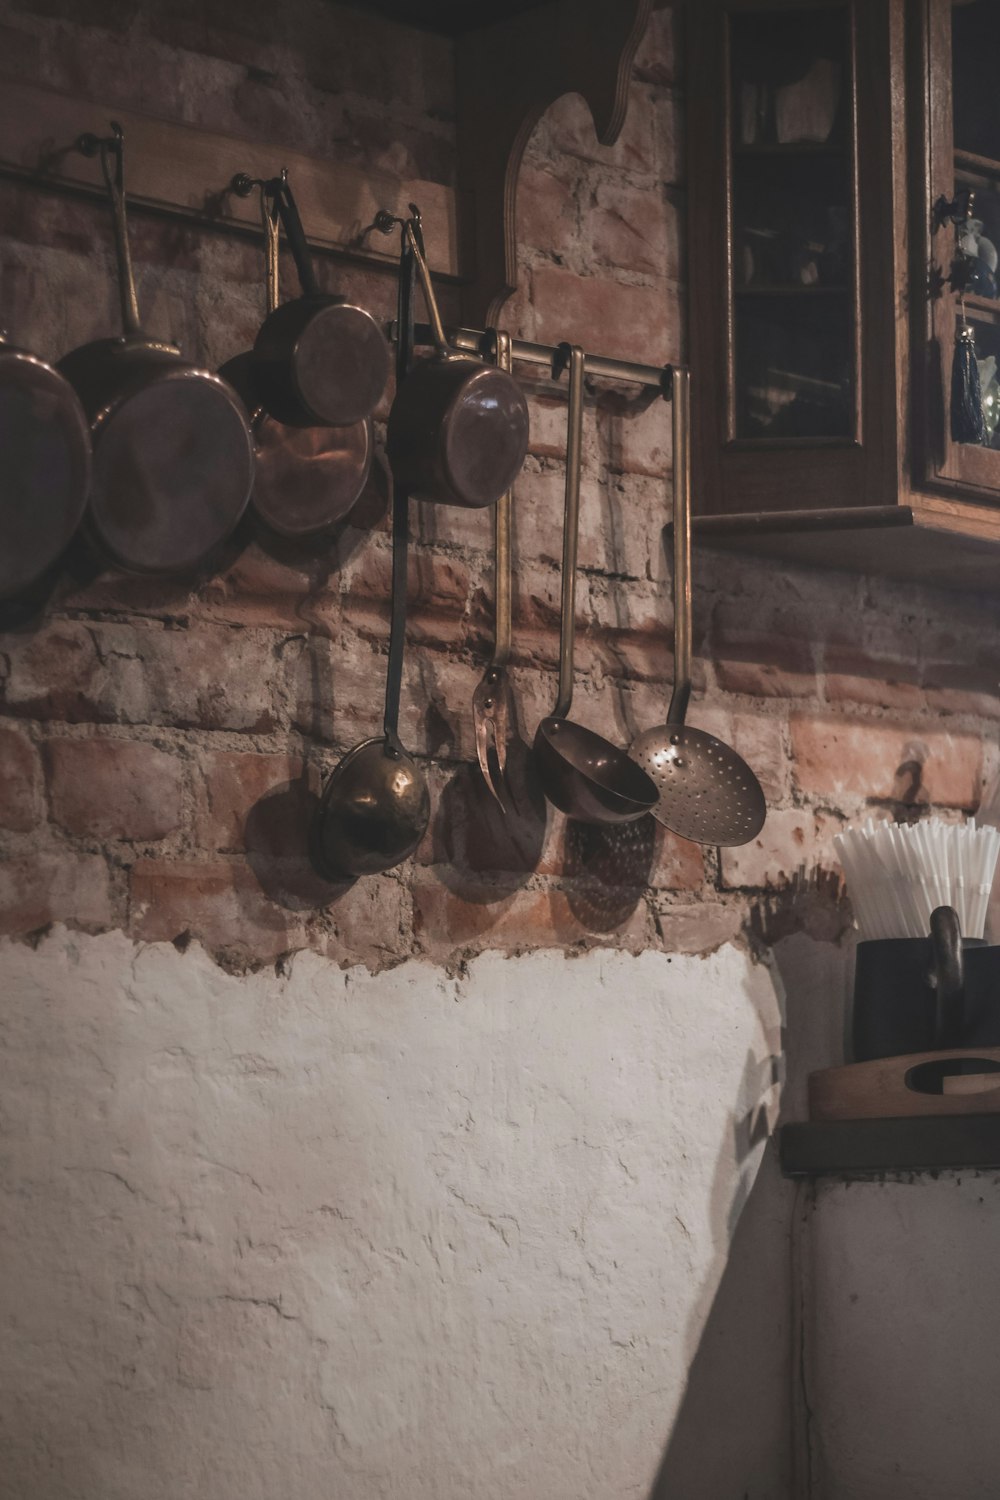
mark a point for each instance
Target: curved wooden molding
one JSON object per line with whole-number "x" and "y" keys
{"x": 508, "y": 76}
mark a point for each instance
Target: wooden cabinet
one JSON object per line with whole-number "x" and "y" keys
{"x": 824, "y": 141}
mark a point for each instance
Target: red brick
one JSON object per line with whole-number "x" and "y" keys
{"x": 656, "y": 58}
{"x": 678, "y": 865}
{"x": 641, "y": 442}
{"x": 230, "y": 785}
{"x": 219, "y": 902}
{"x": 207, "y": 677}
{"x": 793, "y": 843}
{"x": 114, "y": 789}
{"x": 42, "y": 888}
{"x": 758, "y": 738}
{"x": 636, "y": 230}
{"x": 486, "y": 916}
{"x": 569, "y": 127}
{"x": 864, "y": 761}
{"x": 619, "y": 320}
{"x": 761, "y": 680}
{"x": 372, "y": 923}
{"x": 547, "y": 212}
{"x": 55, "y": 673}
{"x": 20, "y": 779}
{"x": 698, "y": 928}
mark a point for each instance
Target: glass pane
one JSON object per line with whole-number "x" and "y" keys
{"x": 790, "y": 77}
{"x": 792, "y": 227}
{"x": 794, "y": 367}
{"x": 988, "y": 360}
{"x": 975, "y": 56}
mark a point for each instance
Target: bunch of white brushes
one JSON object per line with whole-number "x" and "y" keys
{"x": 898, "y": 873}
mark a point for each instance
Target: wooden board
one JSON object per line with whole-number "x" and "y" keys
{"x": 864, "y": 1148}
{"x": 879, "y": 1089}
{"x": 185, "y": 170}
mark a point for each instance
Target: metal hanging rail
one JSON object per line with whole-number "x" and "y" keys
{"x": 658, "y": 378}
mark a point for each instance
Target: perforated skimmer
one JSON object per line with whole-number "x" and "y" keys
{"x": 708, "y": 793}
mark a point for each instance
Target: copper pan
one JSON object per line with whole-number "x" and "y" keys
{"x": 320, "y": 360}
{"x": 307, "y": 478}
{"x": 458, "y": 428}
{"x": 44, "y": 467}
{"x": 173, "y": 452}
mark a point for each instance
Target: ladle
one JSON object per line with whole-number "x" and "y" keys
{"x": 375, "y": 807}
{"x": 306, "y": 478}
{"x": 705, "y": 791}
{"x": 582, "y": 774}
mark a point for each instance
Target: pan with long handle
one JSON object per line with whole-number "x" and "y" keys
{"x": 307, "y": 479}
{"x": 173, "y": 451}
{"x": 44, "y": 467}
{"x": 706, "y": 792}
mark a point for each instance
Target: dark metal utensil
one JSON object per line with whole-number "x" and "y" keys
{"x": 375, "y": 807}
{"x": 307, "y": 478}
{"x": 458, "y": 428}
{"x": 44, "y": 466}
{"x": 491, "y": 703}
{"x": 173, "y": 452}
{"x": 706, "y": 792}
{"x": 583, "y": 774}
{"x": 320, "y": 360}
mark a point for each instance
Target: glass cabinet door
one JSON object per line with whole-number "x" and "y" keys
{"x": 793, "y": 357}
{"x": 963, "y": 129}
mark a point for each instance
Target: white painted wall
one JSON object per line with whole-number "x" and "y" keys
{"x": 329, "y": 1234}
{"x": 903, "y": 1338}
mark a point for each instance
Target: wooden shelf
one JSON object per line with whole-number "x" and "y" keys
{"x": 866, "y": 1148}
{"x": 934, "y": 545}
{"x": 793, "y": 291}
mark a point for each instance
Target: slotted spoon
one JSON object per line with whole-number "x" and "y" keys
{"x": 707, "y": 793}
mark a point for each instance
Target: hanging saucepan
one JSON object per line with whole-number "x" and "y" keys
{"x": 376, "y": 806}
{"x": 44, "y": 466}
{"x": 582, "y": 773}
{"x": 307, "y": 478}
{"x": 320, "y": 360}
{"x": 705, "y": 791}
{"x": 173, "y": 451}
{"x": 458, "y": 428}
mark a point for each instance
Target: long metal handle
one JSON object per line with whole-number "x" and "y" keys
{"x": 502, "y": 536}
{"x": 269, "y": 222}
{"x": 571, "y": 528}
{"x": 292, "y": 223}
{"x": 947, "y": 975}
{"x": 111, "y": 150}
{"x": 413, "y": 233}
{"x": 682, "y": 547}
{"x": 400, "y": 520}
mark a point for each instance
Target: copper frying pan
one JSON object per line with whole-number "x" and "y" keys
{"x": 307, "y": 478}
{"x": 44, "y": 467}
{"x": 173, "y": 451}
{"x": 320, "y": 360}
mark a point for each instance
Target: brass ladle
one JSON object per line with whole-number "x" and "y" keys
{"x": 376, "y": 806}
{"x": 582, "y": 774}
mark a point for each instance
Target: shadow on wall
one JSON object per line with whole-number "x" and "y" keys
{"x": 734, "y": 1435}
{"x": 733, "y": 1432}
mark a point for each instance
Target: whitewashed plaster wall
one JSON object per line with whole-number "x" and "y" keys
{"x": 511, "y": 1234}
{"x": 902, "y": 1325}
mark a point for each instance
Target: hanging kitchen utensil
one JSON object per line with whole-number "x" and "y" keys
{"x": 706, "y": 792}
{"x": 375, "y": 807}
{"x": 44, "y": 466}
{"x": 173, "y": 451}
{"x": 582, "y": 773}
{"x": 458, "y": 427}
{"x": 306, "y": 478}
{"x": 491, "y": 703}
{"x": 320, "y": 360}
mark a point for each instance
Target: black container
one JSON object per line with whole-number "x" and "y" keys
{"x": 924, "y": 994}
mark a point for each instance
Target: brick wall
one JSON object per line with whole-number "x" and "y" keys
{"x": 162, "y": 742}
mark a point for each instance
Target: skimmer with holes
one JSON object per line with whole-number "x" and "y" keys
{"x": 708, "y": 793}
